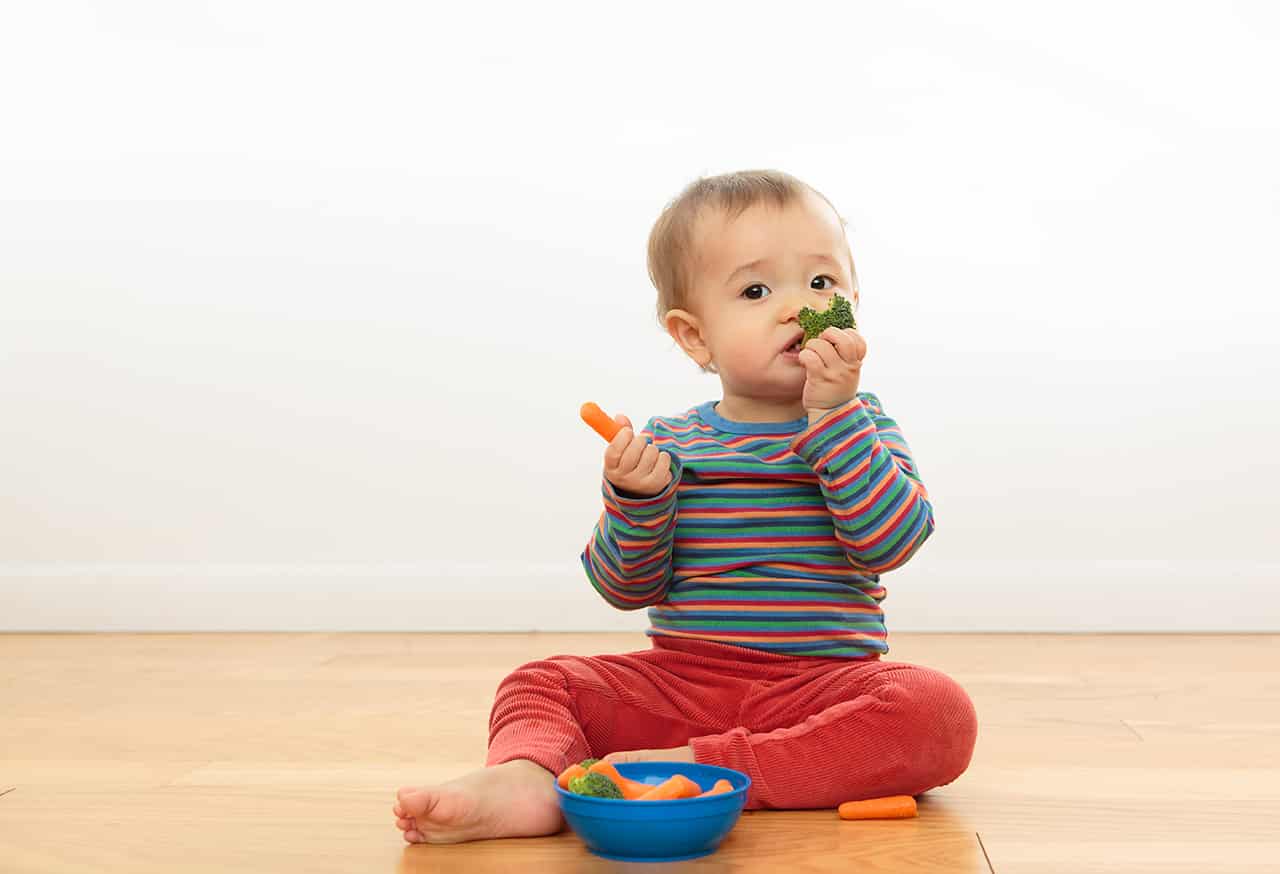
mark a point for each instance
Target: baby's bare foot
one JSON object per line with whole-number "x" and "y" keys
{"x": 511, "y": 800}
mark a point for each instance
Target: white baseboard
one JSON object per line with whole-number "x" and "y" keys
{"x": 934, "y": 595}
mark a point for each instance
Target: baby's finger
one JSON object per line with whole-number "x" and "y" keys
{"x": 825, "y": 351}
{"x": 660, "y": 475}
{"x": 648, "y": 460}
{"x": 631, "y": 455}
{"x": 617, "y": 446}
{"x": 847, "y": 342}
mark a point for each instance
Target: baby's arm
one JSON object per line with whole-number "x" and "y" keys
{"x": 878, "y": 504}
{"x": 628, "y": 559}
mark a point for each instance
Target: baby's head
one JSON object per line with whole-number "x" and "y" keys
{"x": 735, "y": 258}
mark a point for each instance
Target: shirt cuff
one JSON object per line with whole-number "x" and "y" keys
{"x": 815, "y": 442}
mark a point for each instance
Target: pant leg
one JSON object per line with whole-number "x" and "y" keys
{"x": 839, "y": 732}
{"x": 565, "y": 708}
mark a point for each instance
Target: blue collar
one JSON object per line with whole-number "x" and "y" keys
{"x": 707, "y": 412}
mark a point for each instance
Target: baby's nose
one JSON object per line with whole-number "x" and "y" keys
{"x": 798, "y": 300}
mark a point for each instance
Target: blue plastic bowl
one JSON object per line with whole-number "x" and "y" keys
{"x": 658, "y": 831}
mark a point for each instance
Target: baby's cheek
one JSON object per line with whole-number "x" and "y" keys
{"x": 743, "y": 356}
{"x": 744, "y": 364}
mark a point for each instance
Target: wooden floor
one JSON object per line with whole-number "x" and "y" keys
{"x": 282, "y": 752}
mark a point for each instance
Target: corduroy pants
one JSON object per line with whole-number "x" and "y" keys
{"x": 810, "y": 732}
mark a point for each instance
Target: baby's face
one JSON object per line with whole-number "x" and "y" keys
{"x": 752, "y": 278}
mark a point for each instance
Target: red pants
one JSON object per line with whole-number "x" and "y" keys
{"x": 810, "y": 732}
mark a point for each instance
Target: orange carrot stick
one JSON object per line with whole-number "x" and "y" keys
{"x": 888, "y": 807}
{"x": 677, "y": 786}
{"x": 721, "y": 787}
{"x": 574, "y": 770}
{"x": 631, "y": 789}
{"x": 600, "y": 421}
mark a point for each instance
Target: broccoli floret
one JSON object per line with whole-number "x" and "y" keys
{"x": 595, "y": 785}
{"x": 587, "y": 763}
{"x": 838, "y": 315}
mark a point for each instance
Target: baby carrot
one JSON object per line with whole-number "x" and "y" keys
{"x": 631, "y": 789}
{"x": 888, "y": 807}
{"x": 677, "y": 786}
{"x": 600, "y": 421}
{"x": 574, "y": 770}
{"x": 720, "y": 787}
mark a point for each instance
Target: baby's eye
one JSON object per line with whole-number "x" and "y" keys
{"x": 746, "y": 292}
{"x": 824, "y": 276}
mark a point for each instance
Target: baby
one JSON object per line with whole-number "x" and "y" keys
{"x": 755, "y": 529}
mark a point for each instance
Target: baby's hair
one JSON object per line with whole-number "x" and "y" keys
{"x": 730, "y": 194}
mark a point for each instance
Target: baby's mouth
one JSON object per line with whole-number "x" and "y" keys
{"x": 795, "y": 347}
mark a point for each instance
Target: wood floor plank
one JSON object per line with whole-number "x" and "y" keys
{"x": 282, "y": 752}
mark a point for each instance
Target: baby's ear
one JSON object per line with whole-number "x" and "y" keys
{"x": 686, "y": 330}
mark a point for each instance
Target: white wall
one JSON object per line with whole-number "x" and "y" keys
{"x": 247, "y": 251}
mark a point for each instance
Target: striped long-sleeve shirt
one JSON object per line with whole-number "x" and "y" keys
{"x": 770, "y": 535}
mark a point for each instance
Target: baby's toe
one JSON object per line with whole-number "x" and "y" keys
{"x": 410, "y": 802}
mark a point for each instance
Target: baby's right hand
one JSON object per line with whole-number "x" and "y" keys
{"x": 633, "y": 464}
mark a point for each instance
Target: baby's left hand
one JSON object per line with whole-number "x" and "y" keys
{"x": 674, "y": 754}
{"x": 833, "y": 360}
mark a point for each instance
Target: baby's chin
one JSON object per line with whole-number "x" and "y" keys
{"x": 774, "y": 380}
{"x": 792, "y": 375}
{"x": 775, "y": 388}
